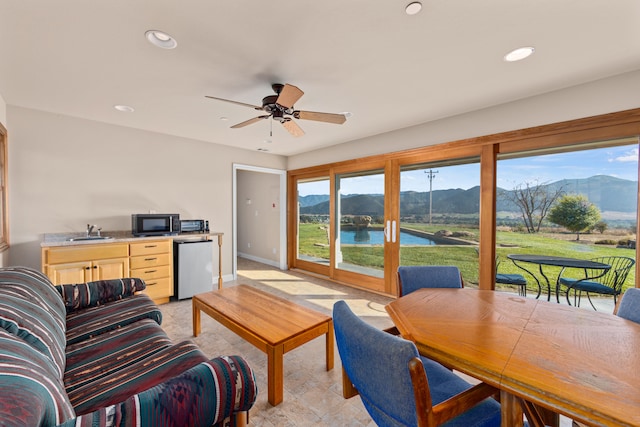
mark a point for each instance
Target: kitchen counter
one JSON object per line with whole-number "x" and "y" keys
{"x": 124, "y": 236}
{"x": 60, "y": 256}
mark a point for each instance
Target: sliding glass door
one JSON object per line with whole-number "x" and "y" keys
{"x": 359, "y": 219}
{"x": 439, "y": 215}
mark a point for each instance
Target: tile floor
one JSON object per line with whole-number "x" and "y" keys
{"x": 312, "y": 396}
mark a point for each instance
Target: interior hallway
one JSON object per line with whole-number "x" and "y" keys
{"x": 312, "y": 396}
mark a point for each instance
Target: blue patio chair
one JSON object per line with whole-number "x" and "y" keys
{"x": 594, "y": 282}
{"x": 630, "y": 305}
{"x": 428, "y": 276}
{"x": 513, "y": 279}
{"x": 400, "y": 388}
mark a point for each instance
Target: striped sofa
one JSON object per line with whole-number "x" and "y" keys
{"x": 94, "y": 354}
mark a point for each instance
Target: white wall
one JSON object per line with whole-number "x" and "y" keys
{"x": 66, "y": 172}
{"x": 602, "y": 96}
{"x": 258, "y": 215}
{"x": 3, "y": 111}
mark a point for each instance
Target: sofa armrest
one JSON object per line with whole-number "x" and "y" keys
{"x": 210, "y": 393}
{"x": 91, "y": 294}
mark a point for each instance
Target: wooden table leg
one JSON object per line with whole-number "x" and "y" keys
{"x": 196, "y": 318}
{"x": 511, "y": 410}
{"x": 330, "y": 346}
{"x": 275, "y": 377}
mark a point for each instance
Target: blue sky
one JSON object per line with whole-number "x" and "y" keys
{"x": 620, "y": 162}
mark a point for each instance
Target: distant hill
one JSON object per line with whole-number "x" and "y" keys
{"x": 312, "y": 199}
{"x": 606, "y": 192}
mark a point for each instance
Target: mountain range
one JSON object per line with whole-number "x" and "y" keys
{"x": 608, "y": 193}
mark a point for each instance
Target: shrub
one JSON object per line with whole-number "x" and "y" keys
{"x": 606, "y": 242}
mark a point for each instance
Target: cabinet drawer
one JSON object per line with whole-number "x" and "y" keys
{"x": 150, "y": 247}
{"x": 85, "y": 252}
{"x": 159, "y": 288}
{"x": 151, "y": 260}
{"x": 151, "y": 273}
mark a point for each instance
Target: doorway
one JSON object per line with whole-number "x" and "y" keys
{"x": 259, "y": 216}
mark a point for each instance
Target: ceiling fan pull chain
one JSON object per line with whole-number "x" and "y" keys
{"x": 271, "y": 128}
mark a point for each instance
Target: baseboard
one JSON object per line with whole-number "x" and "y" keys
{"x": 261, "y": 260}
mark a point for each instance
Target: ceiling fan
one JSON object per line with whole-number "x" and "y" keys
{"x": 280, "y": 108}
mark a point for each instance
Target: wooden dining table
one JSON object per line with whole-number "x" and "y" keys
{"x": 546, "y": 359}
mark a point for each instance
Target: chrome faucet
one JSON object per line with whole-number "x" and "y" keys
{"x": 90, "y": 229}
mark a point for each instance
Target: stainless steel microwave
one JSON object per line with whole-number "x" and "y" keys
{"x": 155, "y": 224}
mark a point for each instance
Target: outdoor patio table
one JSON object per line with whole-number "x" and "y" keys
{"x": 545, "y": 358}
{"x": 555, "y": 261}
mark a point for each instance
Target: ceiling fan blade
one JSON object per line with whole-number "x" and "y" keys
{"x": 289, "y": 96}
{"x": 249, "y": 122}
{"x": 255, "y": 107}
{"x": 337, "y": 119}
{"x": 292, "y": 127}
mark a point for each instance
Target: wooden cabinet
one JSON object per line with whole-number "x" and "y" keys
{"x": 148, "y": 259}
{"x": 85, "y": 263}
{"x": 152, "y": 261}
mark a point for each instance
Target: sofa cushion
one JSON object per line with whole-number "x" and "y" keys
{"x": 92, "y": 294}
{"x": 139, "y": 376}
{"x": 34, "y": 285}
{"x": 31, "y": 393}
{"x": 89, "y": 322}
{"x": 104, "y": 354}
{"x": 31, "y": 308}
{"x": 204, "y": 396}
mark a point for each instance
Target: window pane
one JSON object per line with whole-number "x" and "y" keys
{"x": 439, "y": 216}
{"x": 359, "y": 223}
{"x": 313, "y": 220}
{"x": 601, "y": 182}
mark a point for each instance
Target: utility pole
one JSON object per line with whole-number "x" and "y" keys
{"x": 430, "y": 174}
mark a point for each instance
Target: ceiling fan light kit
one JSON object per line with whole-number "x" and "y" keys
{"x": 280, "y": 108}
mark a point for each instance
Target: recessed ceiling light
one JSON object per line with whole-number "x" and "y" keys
{"x": 413, "y": 8}
{"x": 347, "y": 114}
{"x": 224, "y": 119}
{"x": 124, "y": 108}
{"x": 161, "y": 39}
{"x": 519, "y": 54}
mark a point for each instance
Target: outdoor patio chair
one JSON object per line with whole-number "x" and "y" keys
{"x": 594, "y": 282}
{"x": 513, "y": 279}
{"x": 400, "y": 388}
{"x": 428, "y": 276}
{"x": 629, "y": 307}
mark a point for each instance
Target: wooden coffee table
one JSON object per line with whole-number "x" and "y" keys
{"x": 272, "y": 324}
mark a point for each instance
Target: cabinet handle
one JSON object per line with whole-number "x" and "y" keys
{"x": 151, "y": 271}
{"x": 95, "y": 266}
{"x": 150, "y": 246}
{"x": 150, "y": 259}
{"x": 87, "y": 268}
{"x": 152, "y": 283}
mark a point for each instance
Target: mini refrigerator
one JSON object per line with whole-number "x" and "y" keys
{"x": 192, "y": 267}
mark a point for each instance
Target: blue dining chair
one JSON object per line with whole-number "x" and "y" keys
{"x": 400, "y": 388}
{"x": 629, "y": 307}
{"x": 411, "y": 278}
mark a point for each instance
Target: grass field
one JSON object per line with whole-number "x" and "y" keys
{"x": 313, "y": 242}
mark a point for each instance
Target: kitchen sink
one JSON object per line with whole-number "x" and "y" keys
{"x": 85, "y": 238}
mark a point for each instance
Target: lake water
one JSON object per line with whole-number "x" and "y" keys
{"x": 376, "y": 237}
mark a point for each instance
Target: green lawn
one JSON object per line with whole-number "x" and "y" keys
{"x": 314, "y": 243}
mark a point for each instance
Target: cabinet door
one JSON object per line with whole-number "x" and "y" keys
{"x": 70, "y": 273}
{"x": 106, "y": 269}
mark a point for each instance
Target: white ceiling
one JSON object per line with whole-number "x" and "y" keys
{"x": 390, "y": 70}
